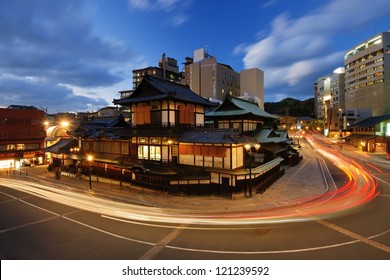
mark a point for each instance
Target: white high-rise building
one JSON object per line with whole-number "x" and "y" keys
{"x": 322, "y": 96}
{"x": 367, "y": 75}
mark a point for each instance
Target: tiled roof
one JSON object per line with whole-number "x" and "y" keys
{"x": 88, "y": 127}
{"x": 370, "y": 122}
{"x": 61, "y": 146}
{"x": 153, "y": 88}
{"x": 269, "y": 135}
{"x": 233, "y": 106}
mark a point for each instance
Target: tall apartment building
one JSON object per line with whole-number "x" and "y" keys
{"x": 329, "y": 99}
{"x": 367, "y": 75}
{"x": 337, "y": 88}
{"x": 322, "y": 96}
{"x": 208, "y": 78}
{"x": 167, "y": 70}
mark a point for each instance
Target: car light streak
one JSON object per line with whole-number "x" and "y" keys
{"x": 360, "y": 188}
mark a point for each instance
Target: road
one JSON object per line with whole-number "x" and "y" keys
{"x": 39, "y": 222}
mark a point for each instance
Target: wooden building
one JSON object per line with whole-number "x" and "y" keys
{"x": 167, "y": 147}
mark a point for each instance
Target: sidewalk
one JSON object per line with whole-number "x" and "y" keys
{"x": 300, "y": 183}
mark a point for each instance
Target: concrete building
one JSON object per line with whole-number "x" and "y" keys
{"x": 330, "y": 101}
{"x": 208, "y": 78}
{"x": 22, "y": 136}
{"x": 367, "y": 75}
{"x": 322, "y": 96}
{"x": 337, "y": 88}
{"x": 252, "y": 85}
{"x": 167, "y": 70}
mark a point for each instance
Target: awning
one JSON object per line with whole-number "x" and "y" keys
{"x": 29, "y": 155}
{"x": 368, "y": 137}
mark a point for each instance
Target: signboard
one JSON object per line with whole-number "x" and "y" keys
{"x": 199, "y": 54}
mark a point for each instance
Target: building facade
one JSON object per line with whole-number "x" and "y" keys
{"x": 167, "y": 69}
{"x": 371, "y": 135}
{"x": 169, "y": 148}
{"x": 252, "y": 85}
{"x": 208, "y": 78}
{"x": 322, "y": 96}
{"x": 337, "y": 88}
{"x": 22, "y": 136}
{"x": 367, "y": 75}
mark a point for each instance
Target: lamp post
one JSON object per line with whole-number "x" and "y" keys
{"x": 90, "y": 159}
{"x": 248, "y": 147}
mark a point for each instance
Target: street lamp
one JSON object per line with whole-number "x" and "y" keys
{"x": 248, "y": 147}
{"x": 74, "y": 150}
{"x": 90, "y": 159}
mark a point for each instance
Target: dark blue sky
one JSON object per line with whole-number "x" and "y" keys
{"x": 76, "y": 55}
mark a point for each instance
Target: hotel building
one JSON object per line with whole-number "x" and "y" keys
{"x": 208, "y": 78}
{"x": 367, "y": 75}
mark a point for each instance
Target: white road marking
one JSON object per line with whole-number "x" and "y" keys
{"x": 28, "y": 224}
{"x": 354, "y": 235}
{"x": 274, "y": 252}
{"x": 163, "y": 243}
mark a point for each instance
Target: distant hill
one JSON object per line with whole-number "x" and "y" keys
{"x": 296, "y": 107}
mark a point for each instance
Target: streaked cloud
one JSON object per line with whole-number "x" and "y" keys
{"x": 297, "y": 50}
{"x": 44, "y": 94}
{"x": 268, "y": 4}
{"x": 48, "y": 47}
{"x": 177, "y": 10}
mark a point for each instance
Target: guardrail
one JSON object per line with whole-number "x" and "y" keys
{"x": 13, "y": 172}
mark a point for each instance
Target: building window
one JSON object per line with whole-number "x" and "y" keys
{"x": 32, "y": 146}
{"x": 11, "y": 147}
{"x": 187, "y": 114}
{"x": 22, "y": 134}
{"x": 156, "y": 117}
{"x": 206, "y": 151}
{"x": 143, "y": 152}
{"x": 155, "y": 153}
{"x": 141, "y": 115}
{"x": 20, "y": 147}
{"x": 149, "y": 152}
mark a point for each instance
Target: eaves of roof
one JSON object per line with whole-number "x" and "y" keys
{"x": 61, "y": 146}
{"x": 370, "y": 122}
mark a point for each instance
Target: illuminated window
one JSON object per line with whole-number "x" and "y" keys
{"x": 11, "y": 147}
{"x": 20, "y": 146}
{"x": 155, "y": 153}
{"x": 143, "y": 152}
{"x": 149, "y": 152}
